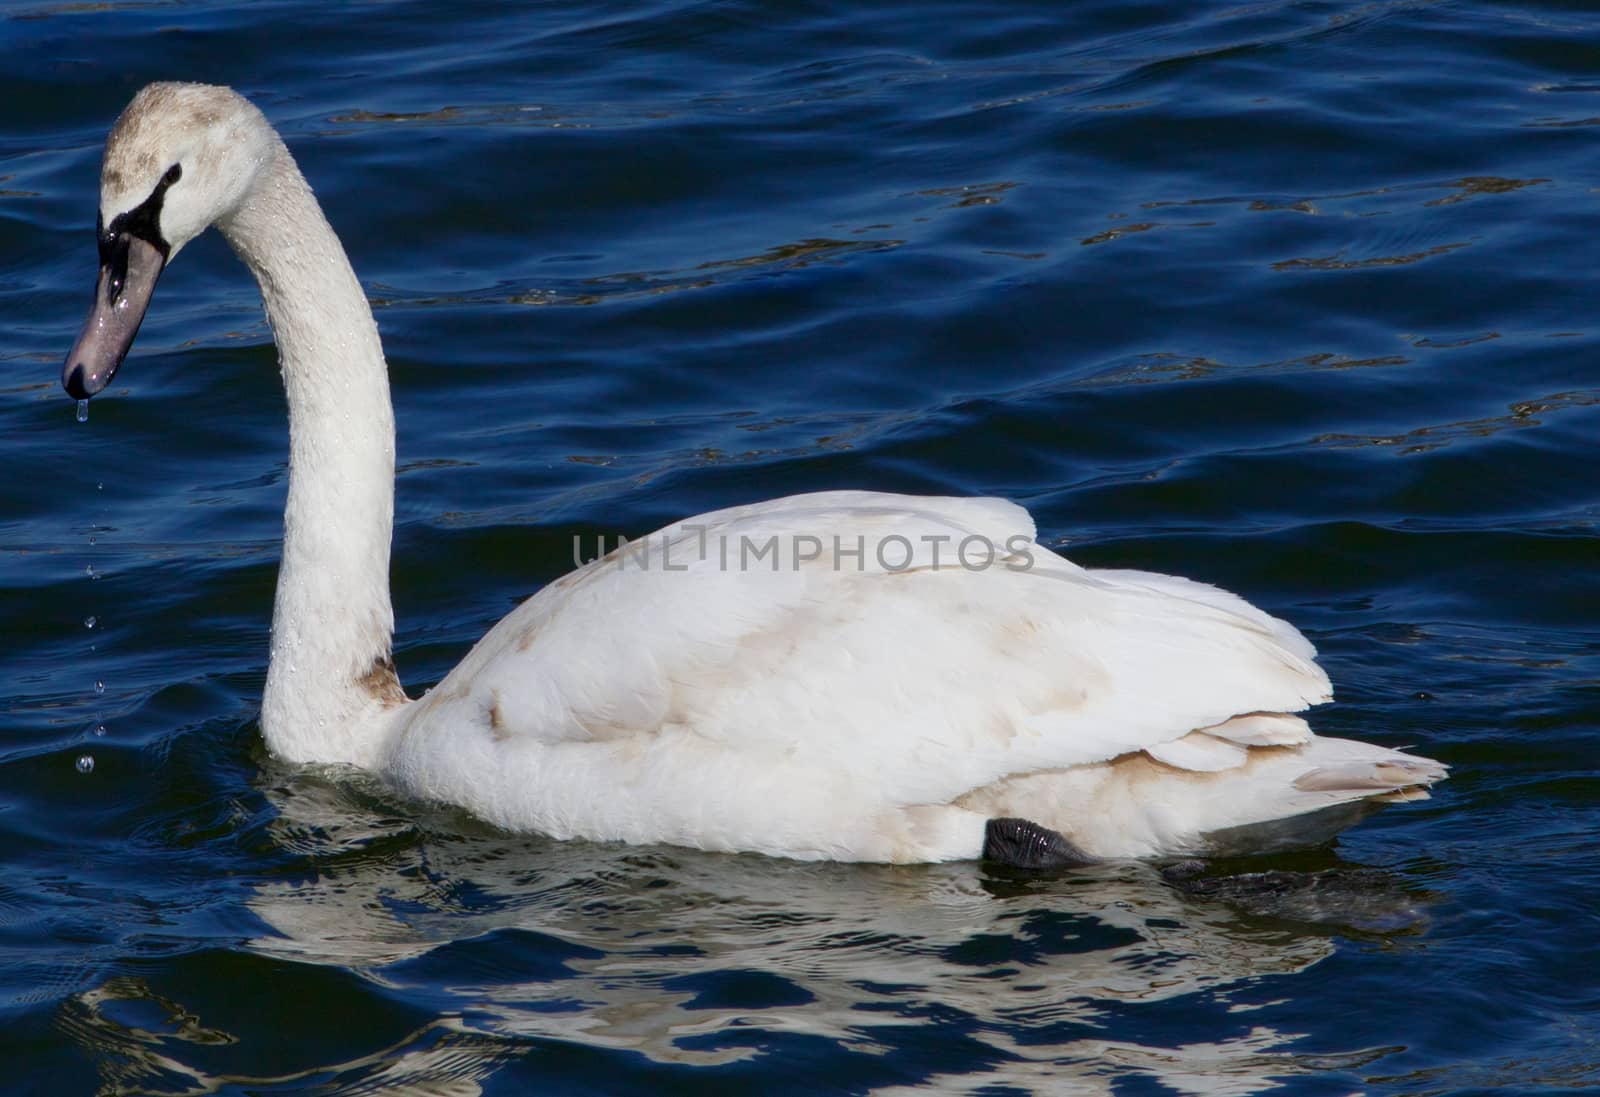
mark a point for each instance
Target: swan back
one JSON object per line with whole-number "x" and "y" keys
{"x": 824, "y": 699}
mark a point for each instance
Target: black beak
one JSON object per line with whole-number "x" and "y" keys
{"x": 129, "y": 267}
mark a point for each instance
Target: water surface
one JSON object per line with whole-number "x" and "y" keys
{"x": 1294, "y": 298}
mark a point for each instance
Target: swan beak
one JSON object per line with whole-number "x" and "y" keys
{"x": 129, "y": 267}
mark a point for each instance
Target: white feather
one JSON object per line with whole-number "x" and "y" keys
{"x": 1198, "y": 752}
{"x": 1263, "y": 729}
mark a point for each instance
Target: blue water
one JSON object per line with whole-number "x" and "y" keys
{"x": 1295, "y": 298}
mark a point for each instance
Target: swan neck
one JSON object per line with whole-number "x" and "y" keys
{"x": 329, "y": 679}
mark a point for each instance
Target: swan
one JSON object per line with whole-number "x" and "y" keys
{"x": 845, "y": 675}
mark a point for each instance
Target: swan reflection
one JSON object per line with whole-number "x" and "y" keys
{"x": 519, "y": 944}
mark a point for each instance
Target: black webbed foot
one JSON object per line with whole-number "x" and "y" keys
{"x": 1024, "y": 844}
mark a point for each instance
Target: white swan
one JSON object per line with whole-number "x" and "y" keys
{"x": 807, "y": 677}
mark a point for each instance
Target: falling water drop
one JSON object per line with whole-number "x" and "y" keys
{"x": 83, "y": 411}
{"x": 86, "y": 761}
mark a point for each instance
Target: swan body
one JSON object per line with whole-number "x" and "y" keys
{"x": 846, "y": 675}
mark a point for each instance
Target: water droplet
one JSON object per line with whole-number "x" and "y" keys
{"x": 89, "y": 622}
{"x": 83, "y": 411}
{"x": 85, "y": 763}
{"x": 99, "y": 729}
{"x": 89, "y": 571}
{"x": 91, "y": 538}
{"x": 99, "y": 487}
{"x": 99, "y": 686}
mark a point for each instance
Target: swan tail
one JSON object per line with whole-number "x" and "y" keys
{"x": 1276, "y": 797}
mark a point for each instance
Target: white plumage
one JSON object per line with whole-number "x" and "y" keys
{"x": 843, "y": 675}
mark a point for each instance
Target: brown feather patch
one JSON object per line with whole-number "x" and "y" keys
{"x": 383, "y": 683}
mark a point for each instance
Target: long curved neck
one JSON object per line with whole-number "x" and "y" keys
{"x": 330, "y": 676}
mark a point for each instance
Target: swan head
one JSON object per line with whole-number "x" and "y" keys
{"x": 180, "y": 158}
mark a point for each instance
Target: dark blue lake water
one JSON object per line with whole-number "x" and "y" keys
{"x": 1294, "y": 298}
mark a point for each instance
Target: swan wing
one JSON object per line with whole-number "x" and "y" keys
{"x": 850, "y": 632}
